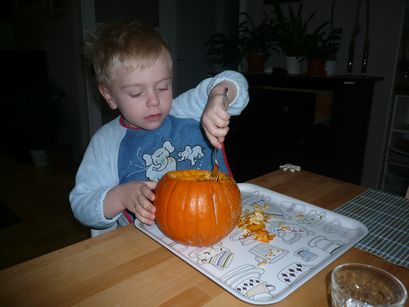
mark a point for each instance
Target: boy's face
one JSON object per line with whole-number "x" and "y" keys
{"x": 143, "y": 97}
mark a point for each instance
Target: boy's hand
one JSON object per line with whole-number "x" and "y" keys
{"x": 215, "y": 120}
{"x": 136, "y": 196}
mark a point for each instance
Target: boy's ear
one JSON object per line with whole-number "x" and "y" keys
{"x": 107, "y": 96}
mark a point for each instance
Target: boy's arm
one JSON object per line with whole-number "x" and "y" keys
{"x": 192, "y": 103}
{"x": 96, "y": 175}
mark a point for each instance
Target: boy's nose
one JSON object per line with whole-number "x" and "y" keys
{"x": 153, "y": 100}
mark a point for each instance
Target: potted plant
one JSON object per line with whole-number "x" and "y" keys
{"x": 292, "y": 33}
{"x": 257, "y": 42}
{"x": 334, "y": 42}
{"x": 39, "y": 115}
{"x": 321, "y": 47}
{"x": 299, "y": 43}
{"x": 249, "y": 41}
{"x": 223, "y": 51}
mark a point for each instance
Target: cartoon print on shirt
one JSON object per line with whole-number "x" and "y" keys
{"x": 193, "y": 154}
{"x": 161, "y": 161}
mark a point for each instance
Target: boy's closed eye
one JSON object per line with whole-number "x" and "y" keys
{"x": 161, "y": 89}
{"x": 163, "y": 86}
{"x": 136, "y": 95}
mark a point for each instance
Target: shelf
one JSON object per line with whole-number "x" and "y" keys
{"x": 396, "y": 170}
{"x": 396, "y": 179}
{"x": 390, "y": 162}
{"x": 404, "y": 129}
{"x": 393, "y": 189}
{"x": 402, "y": 88}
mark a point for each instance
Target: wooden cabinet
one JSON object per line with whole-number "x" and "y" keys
{"x": 396, "y": 169}
{"x": 319, "y": 123}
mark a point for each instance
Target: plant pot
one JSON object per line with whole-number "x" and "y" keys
{"x": 330, "y": 66}
{"x": 316, "y": 67}
{"x": 255, "y": 62}
{"x": 293, "y": 65}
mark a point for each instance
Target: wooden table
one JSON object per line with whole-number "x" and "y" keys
{"x": 127, "y": 268}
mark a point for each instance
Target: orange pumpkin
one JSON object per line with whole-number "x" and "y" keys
{"x": 196, "y": 211}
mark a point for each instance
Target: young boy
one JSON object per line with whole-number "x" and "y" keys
{"x": 153, "y": 135}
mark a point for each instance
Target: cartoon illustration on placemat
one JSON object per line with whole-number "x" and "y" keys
{"x": 258, "y": 201}
{"x": 305, "y": 254}
{"x": 247, "y": 280}
{"x": 216, "y": 255}
{"x": 293, "y": 208}
{"x": 326, "y": 245}
{"x": 289, "y": 233}
{"x": 153, "y": 229}
{"x": 237, "y": 235}
{"x": 267, "y": 253}
{"x": 298, "y": 211}
{"x": 312, "y": 218}
{"x": 293, "y": 272}
{"x": 335, "y": 227}
{"x": 254, "y": 198}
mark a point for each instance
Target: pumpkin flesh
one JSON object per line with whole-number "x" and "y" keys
{"x": 196, "y": 211}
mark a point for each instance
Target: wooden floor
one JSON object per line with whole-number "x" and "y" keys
{"x": 39, "y": 197}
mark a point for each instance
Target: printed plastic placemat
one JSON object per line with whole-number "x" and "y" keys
{"x": 387, "y": 218}
{"x": 307, "y": 238}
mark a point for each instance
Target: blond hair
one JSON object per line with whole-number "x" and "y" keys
{"x": 125, "y": 44}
